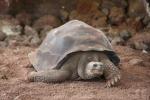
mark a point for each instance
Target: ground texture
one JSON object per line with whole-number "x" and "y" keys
{"x": 14, "y": 66}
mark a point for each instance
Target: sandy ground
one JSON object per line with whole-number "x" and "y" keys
{"x": 14, "y": 66}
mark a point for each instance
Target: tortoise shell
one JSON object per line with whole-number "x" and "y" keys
{"x": 72, "y": 37}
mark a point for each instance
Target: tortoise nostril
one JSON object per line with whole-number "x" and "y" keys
{"x": 100, "y": 64}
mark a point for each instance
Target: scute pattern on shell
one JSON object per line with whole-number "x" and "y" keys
{"x": 71, "y": 37}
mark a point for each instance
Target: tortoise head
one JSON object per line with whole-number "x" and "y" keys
{"x": 94, "y": 69}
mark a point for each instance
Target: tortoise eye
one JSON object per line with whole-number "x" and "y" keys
{"x": 94, "y": 65}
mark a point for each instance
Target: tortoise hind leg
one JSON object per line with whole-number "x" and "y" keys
{"x": 49, "y": 76}
{"x": 67, "y": 71}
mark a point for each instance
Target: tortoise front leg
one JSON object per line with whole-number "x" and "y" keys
{"x": 49, "y": 76}
{"x": 111, "y": 73}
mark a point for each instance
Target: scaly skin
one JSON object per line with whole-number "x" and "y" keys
{"x": 49, "y": 76}
{"x": 111, "y": 72}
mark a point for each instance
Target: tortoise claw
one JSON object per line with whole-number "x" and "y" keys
{"x": 108, "y": 84}
{"x": 113, "y": 81}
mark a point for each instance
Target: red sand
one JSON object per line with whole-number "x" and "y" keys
{"x": 14, "y": 66}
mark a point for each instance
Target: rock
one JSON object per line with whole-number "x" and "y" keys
{"x": 64, "y": 15}
{"x": 4, "y": 6}
{"x": 10, "y": 27}
{"x": 86, "y": 6}
{"x": 146, "y": 20}
{"x": 2, "y": 36}
{"x": 50, "y": 20}
{"x": 90, "y": 14}
{"x": 13, "y": 43}
{"x": 24, "y": 18}
{"x": 121, "y": 3}
{"x": 117, "y": 41}
{"x": 116, "y": 15}
{"x": 44, "y": 32}
{"x": 29, "y": 31}
{"x": 136, "y": 61}
{"x": 100, "y": 22}
{"x": 125, "y": 35}
{"x": 6, "y": 16}
{"x": 22, "y": 40}
{"x": 135, "y": 23}
{"x": 35, "y": 41}
{"x": 140, "y": 41}
{"x": 140, "y": 46}
{"x": 13, "y": 37}
{"x": 144, "y": 51}
{"x": 32, "y": 36}
{"x": 137, "y": 8}
{"x": 148, "y": 26}
{"x": 147, "y": 7}
{"x": 112, "y": 3}
{"x": 113, "y": 32}
{"x": 107, "y": 4}
{"x": 18, "y": 40}
{"x": 76, "y": 15}
{"x": 13, "y": 40}
{"x": 105, "y": 11}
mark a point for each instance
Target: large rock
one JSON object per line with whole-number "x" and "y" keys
{"x": 135, "y": 23}
{"x": 32, "y": 36}
{"x": 24, "y": 18}
{"x": 29, "y": 31}
{"x": 47, "y": 20}
{"x": 137, "y": 8}
{"x": 38, "y": 8}
{"x": 44, "y": 32}
{"x": 89, "y": 12}
{"x": 4, "y": 6}
{"x": 99, "y": 22}
{"x": 64, "y": 15}
{"x": 10, "y": 26}
{"x": 125, "y": 35}
{"x": 146, "y": 20}
{"x": 116, "y": 15}
{"x": 112, "y": 3}
{"x": 140, "y": 41}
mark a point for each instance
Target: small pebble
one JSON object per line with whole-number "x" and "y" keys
{"x": 144, "y": 51}
{"x": 136, "y": 61}
{"x": 125, "y": 35}
{"x": 117, "y": 41}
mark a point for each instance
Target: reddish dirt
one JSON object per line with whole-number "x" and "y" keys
{"x": 14, "y": 66}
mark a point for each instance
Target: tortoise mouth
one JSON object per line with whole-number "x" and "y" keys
{"x": 97, "y": 72}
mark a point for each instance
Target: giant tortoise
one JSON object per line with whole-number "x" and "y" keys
{"x": 73, "y": 51}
